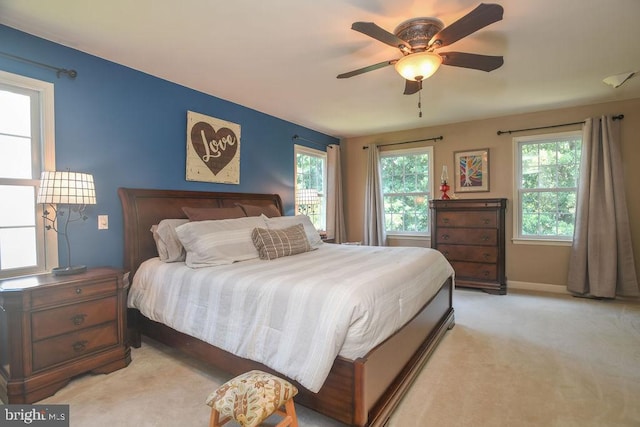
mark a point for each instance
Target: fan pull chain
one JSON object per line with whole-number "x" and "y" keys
{"x": 420, "y": 103}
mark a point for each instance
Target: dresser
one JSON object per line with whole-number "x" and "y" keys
{"x": 471, "y": 235}
{"x": 53, "y": 328}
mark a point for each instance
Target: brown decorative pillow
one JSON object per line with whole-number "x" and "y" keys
{"x": 272, "y": 244}
{"x": 269, "y": 211}
{"x": 204, "y": 214}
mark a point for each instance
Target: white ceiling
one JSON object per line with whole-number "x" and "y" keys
{"x": 281, "y": 57}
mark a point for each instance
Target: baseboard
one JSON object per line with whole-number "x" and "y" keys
{"x": 538, "y": 287}
{"x": 556, "y": 289}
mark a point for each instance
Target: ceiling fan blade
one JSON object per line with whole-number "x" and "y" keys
{"x": 411, "y": 87}
{"x": 478, "y": 18}
{"x": 366, "y": 69}
{"x": 471, "y": 60}
{"x": 372, "y": 30}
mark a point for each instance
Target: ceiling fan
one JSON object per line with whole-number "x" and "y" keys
{"x": 418, "y": 40}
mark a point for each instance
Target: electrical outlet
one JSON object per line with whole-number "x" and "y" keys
{"x": 103, "y": 222}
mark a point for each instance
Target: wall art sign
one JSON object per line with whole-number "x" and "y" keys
{"x": 471, "y": 170}
{"x": 213, "y": 149}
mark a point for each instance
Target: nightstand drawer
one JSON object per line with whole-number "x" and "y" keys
{"x": 70, "y": 294}
{"x": 467, "y": 219}
{"x": 475, "y": 270}
{"x": 470, "y": 253}
{"x": 54, "y": 328}
{"x": 58, "y": 321}
{"x": 67, "y": 347}
{"x": 467, "y": 236}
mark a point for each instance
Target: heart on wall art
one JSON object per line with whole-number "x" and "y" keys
{"x": 213, "y": 149}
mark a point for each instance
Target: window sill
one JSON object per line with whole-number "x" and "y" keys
{"x": 542, "y": 242}
{"x": 409, "y": 236}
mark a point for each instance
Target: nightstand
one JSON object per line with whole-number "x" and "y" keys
{"x": 53, "y": 328}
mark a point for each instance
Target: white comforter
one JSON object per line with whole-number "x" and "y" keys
{"x": 294, "y": 314}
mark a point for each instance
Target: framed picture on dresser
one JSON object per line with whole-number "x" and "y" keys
{"x": 471, "y": 170}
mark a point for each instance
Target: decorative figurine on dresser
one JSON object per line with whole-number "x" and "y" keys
{"x": 54, "y": 327}
{"x": 470, "y": 233}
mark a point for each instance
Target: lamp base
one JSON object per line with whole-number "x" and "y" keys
{"x": 67, "y": 271}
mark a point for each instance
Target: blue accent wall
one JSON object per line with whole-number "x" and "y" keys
{"x": 128, "y": 129}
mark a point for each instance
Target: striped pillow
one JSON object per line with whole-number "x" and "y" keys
{"x": 217, "y": 242}
{"x": 272, "y": 244}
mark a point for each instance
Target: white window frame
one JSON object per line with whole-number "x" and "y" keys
{"x": 518, "y": 238}
{"x": 428, "y": 196}
{"x": 47, "y": 242}
{"x": 301, "y": 149}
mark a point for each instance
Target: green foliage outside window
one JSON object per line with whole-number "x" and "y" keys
{"x": 310, "y": 176}
{"x": 548, "y": 186}
{"x": 405, "y": 188}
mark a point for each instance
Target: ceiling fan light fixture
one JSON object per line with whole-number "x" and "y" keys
{"x": 418, "y": 66}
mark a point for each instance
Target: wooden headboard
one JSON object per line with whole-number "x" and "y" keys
{"x": 143, "y": 208}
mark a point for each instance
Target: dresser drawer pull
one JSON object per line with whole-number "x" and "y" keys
{"x": 445, "y": 237}
{"x": 445, "y": 253}
{"x": 78, "y": 319}
{"x": 445, "y": 220}
{"x": 79, "y": 346}
{"x": 486, "y": 273}
{"x": 78, "y": 291}
{"x": 486, "y": 221}
{"x": 485, "y": 238}
{"x": 487, "y": 255}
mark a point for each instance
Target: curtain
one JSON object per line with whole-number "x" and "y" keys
{"x": 335, "y": 210}
{"x": 373, "y": 207}
{"x": 601, "y": 263}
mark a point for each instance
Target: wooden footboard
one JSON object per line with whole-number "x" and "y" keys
{"x": 363, "y": 392}
{"x": 360, "y": 392}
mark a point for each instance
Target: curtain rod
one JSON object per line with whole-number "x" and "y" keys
{"x": 435, "y": 138}
{"x": 320, "y": 144}
{"x": 71, "y": 73}
{"x": 500, "y": 132}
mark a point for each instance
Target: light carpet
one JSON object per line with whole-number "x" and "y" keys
{"x": 522, "y": 359}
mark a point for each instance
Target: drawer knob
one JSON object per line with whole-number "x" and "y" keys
{"x": 486, "y": 273}
{"x": 79, "y": 346}
{"x": 487, "y": 255}
{"x": 78, "y": 291}
{"x": 486, "y": 221}
{"x": 445, "y": 253}
{"x": 78, "y": 319}
{"x": 445, "y": 237}
{"x": 485, "y": 238}
{"x": 445, "y": 220}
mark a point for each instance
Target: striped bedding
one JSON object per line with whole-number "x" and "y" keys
{"x": 294, "y": 314}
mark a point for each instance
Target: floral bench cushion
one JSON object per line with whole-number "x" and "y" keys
{"x": 252, "y": 397}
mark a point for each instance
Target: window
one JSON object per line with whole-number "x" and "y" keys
{"x": 547, "y": 171}
{"x": 26, "y": 148}
{"x": 310, "y": 190}
{"x": 406, "y": 189}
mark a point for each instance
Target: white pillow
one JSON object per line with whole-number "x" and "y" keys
{"x": 167, "y": 243}
{"x": 218, "y": 242}
{"x": 280, "y": 222}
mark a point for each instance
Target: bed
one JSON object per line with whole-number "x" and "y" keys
{"x": 358, "y": 391}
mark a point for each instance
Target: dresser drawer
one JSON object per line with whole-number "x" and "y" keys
{"x": 467, "y": 236}
{"x": 69, "y": 294}
{"x": 468, "y": 219}
{"x": 470, "y": 253}
{"x": 58, "y": 321}
{"x": 72, "y": 345}
{"x": 475, "y": 270}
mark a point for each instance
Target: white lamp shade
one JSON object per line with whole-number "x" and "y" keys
{"x": 70, "y": 188}
{"x": 418, "y": 66}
